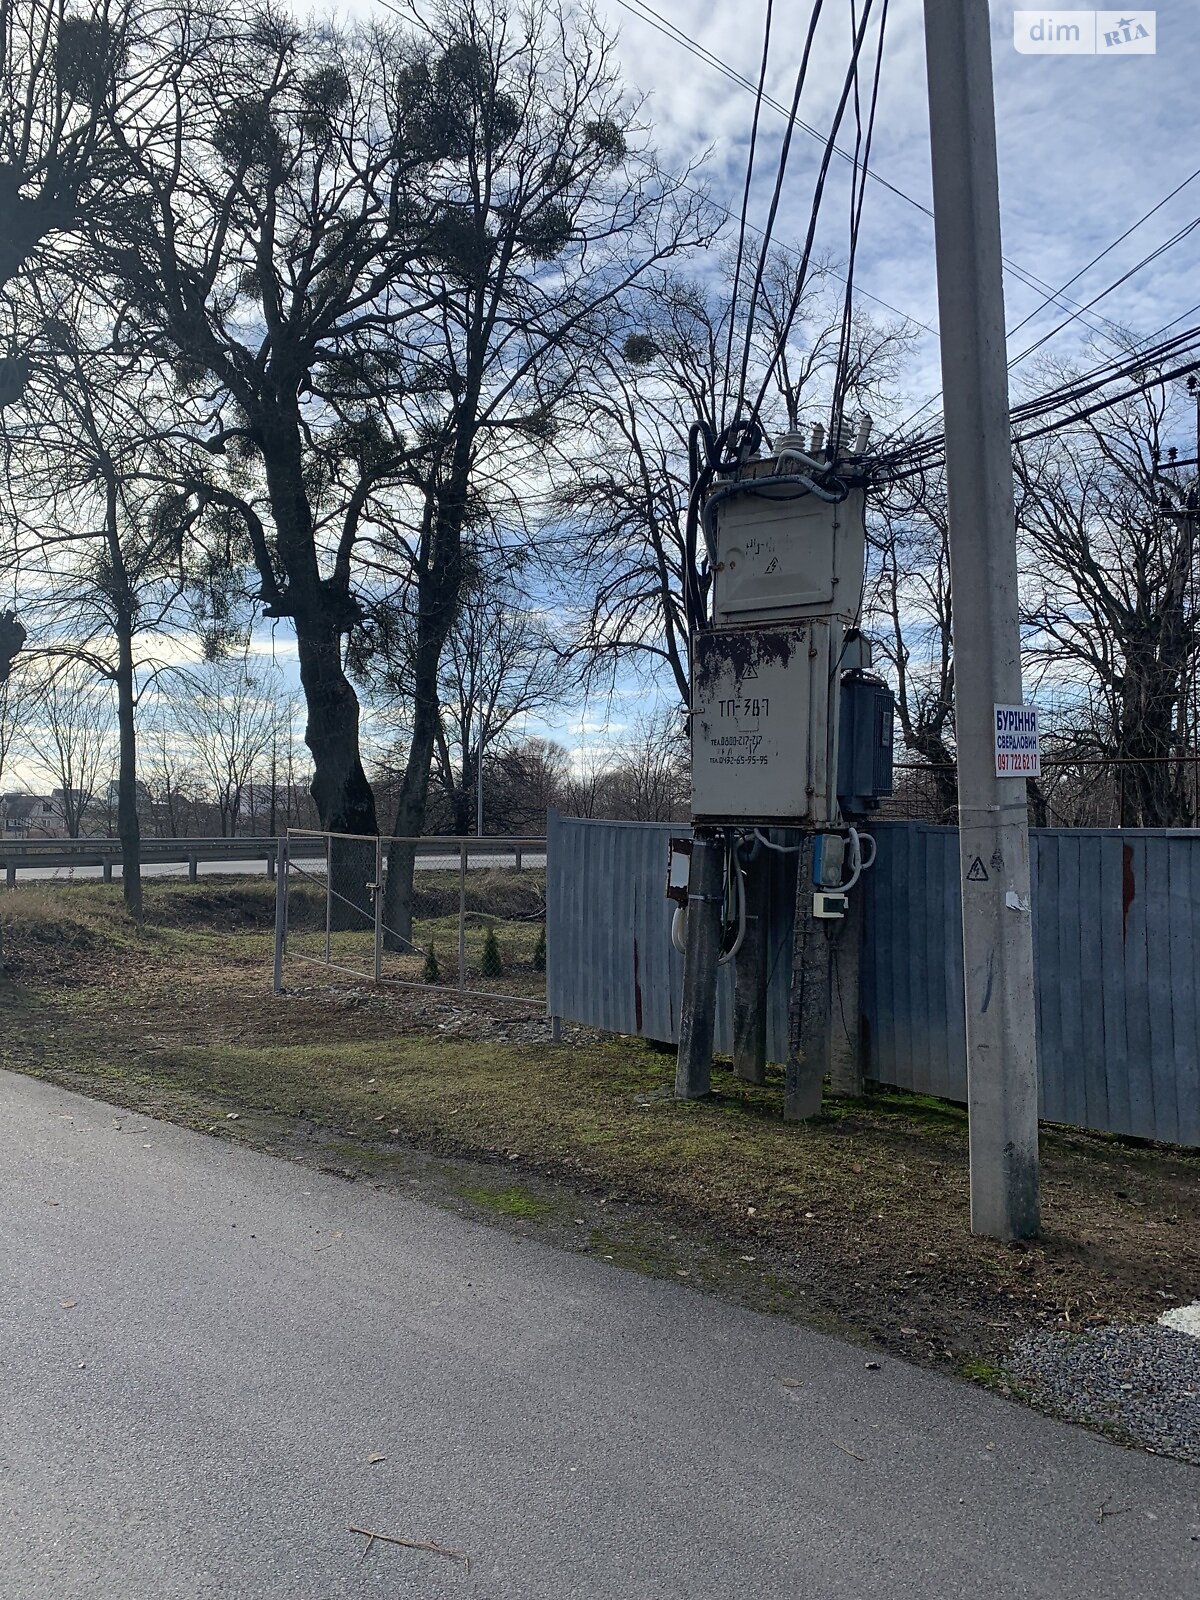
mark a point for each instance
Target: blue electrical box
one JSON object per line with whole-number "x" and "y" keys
{"x": 865, "y": 733}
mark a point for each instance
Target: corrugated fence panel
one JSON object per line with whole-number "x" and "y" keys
{"x": 911, "y": 980}
{"x": 1116, "y": 939}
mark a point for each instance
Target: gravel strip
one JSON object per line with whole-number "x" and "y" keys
{"x": 1144, "y": 1381}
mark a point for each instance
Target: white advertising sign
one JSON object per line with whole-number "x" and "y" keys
{"x": 1018, "y": 754}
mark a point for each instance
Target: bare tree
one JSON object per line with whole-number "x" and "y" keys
{"x": 523, "y": 782}
{"x": 501, "y": 663}
{"x": 909, "y": 612}
{"x": 93, "y": 454}
{"x": 226, "y": 719}
{"x": 549, "y": 215}
{"x": 264, "y": 258}
{"x": 649, "y": 770}
{"x": 1110, "y": 598}
{"x": 71, "y": 739}
{"x": 14, "y": 694}
{"x": 170, "y": 783}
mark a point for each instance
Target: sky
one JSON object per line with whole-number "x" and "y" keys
{"x": 1087, "y": 145}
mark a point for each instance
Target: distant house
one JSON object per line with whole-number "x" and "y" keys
{"x": 33, "y": 816}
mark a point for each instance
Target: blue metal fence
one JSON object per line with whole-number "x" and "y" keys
{"x": 1116, "y": 942}
{"x": 1116, "y": 931}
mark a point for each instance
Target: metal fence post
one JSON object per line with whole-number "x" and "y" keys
{"x": 462, "y": 916}
{"x": 328, "y": 898}
{"x": 378, "y": 891}
{"x": 281, "y": 903}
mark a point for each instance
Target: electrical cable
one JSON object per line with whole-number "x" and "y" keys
{"x": 841, "y": 361}
{"x": 1053, "y": 298}
{"x": 1167, "y": 244}
{"x": 735, "y": 877}
{"x": 818, "y": 193}
{"x": 927, "y": 452}
{"x": 1108, "y": 248}
{"x": 741, "y": 244}
{"x": 735, "y": 890}
{"x": 783, "y": 849}
{"x": 764, "y": 249}
{"x": 841, "y": 372}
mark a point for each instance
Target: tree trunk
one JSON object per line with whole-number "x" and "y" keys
{"x": 128, "y": 828}
{"x": 409, "y": 823}
{"x": 322, "y": 612}
{"x": 438, "y": 594}
{"x": 340, "y": 791}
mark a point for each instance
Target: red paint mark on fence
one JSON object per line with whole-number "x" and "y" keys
{"x": 1128, "y": 887}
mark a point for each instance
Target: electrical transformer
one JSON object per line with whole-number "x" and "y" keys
{"x": 782, "y": 556}
{"x": 787, "y": 569}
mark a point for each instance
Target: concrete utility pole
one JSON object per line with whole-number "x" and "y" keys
{"x": 993, "y": 818}
{"x": 846, "y": 1057}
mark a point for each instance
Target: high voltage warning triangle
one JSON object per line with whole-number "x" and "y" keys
{"x": 978, "y": 872}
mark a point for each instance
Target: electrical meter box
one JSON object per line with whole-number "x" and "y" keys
{"x": 764, "y": 745}
{"x": 783, "y": 554}
{"x": 866, "y": 729}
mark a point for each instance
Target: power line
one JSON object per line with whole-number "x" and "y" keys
{"x": 646, "y": 13}
{"x": 801, "y": 75}
{"x": 1161, "y": 249}
{"x": 1108, "y": 248}
{"x": 841, "y": 374}
{"x": 741, "y": 244}
{"x": 654, "y": 19}
{"x": 717, "y": 205}
{"x": 725, "y": 211}
{"x": 1120, "y": 239}
{"x": 925, "y": 454}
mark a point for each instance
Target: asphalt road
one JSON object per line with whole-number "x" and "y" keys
{"x": 201, "y": 1348}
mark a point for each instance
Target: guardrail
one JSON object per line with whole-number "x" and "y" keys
{"x": 17, "y": 855}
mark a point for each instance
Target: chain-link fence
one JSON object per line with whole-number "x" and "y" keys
{"x": 468, "y": 918}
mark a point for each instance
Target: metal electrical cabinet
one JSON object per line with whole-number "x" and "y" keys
{"x": 764, "y": 746}
{"x": 867, "y": 722}
{"x": 784, "y": 556}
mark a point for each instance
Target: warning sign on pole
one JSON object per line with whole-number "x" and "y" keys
{"x": 1018, "y": 753}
